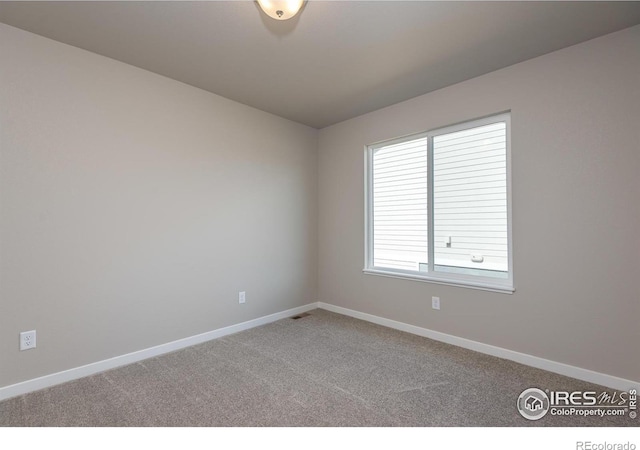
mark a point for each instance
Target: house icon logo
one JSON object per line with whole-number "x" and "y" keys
{"x": 533, "y": 404}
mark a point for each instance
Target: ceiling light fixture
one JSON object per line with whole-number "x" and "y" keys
{"x": 281, "y": 9}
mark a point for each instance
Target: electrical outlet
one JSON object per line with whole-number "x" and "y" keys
{"x": 242, "y": 297}
{"x": 435, "y": 302}
{"x": 27, "y": 340}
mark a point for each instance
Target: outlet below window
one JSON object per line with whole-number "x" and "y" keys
{"x": 27, "y": 340}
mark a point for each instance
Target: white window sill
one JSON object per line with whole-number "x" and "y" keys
{"x": 437, "y": 280}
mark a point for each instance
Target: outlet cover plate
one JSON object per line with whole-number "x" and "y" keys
{"x": 27, "y": 340}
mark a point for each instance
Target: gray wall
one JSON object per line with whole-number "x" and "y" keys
{"x": 133, "y": 208}
{"x": 576, "y": 209}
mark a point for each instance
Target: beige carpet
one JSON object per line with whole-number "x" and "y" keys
{"x": 324, "y": 369}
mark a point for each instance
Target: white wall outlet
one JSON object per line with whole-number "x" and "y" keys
{"x": 27, "y": 340}
{"x": 435, "y": 302}
{"x": 242, "y": 297}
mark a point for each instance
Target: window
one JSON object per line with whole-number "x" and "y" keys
{"x": 438, "y": 206}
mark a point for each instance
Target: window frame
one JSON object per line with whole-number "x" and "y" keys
{"x": 431, "y": 276}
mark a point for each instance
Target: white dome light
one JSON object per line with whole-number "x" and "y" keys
{"x": 281, "y": 9}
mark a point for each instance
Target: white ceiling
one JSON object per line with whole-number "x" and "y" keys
{"x": 336, "y": 59}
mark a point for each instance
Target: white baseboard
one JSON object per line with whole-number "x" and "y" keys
{"x": 107, "y": 364}
{"x": 111, "y": 363}
{"x": 522, "y": 358}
